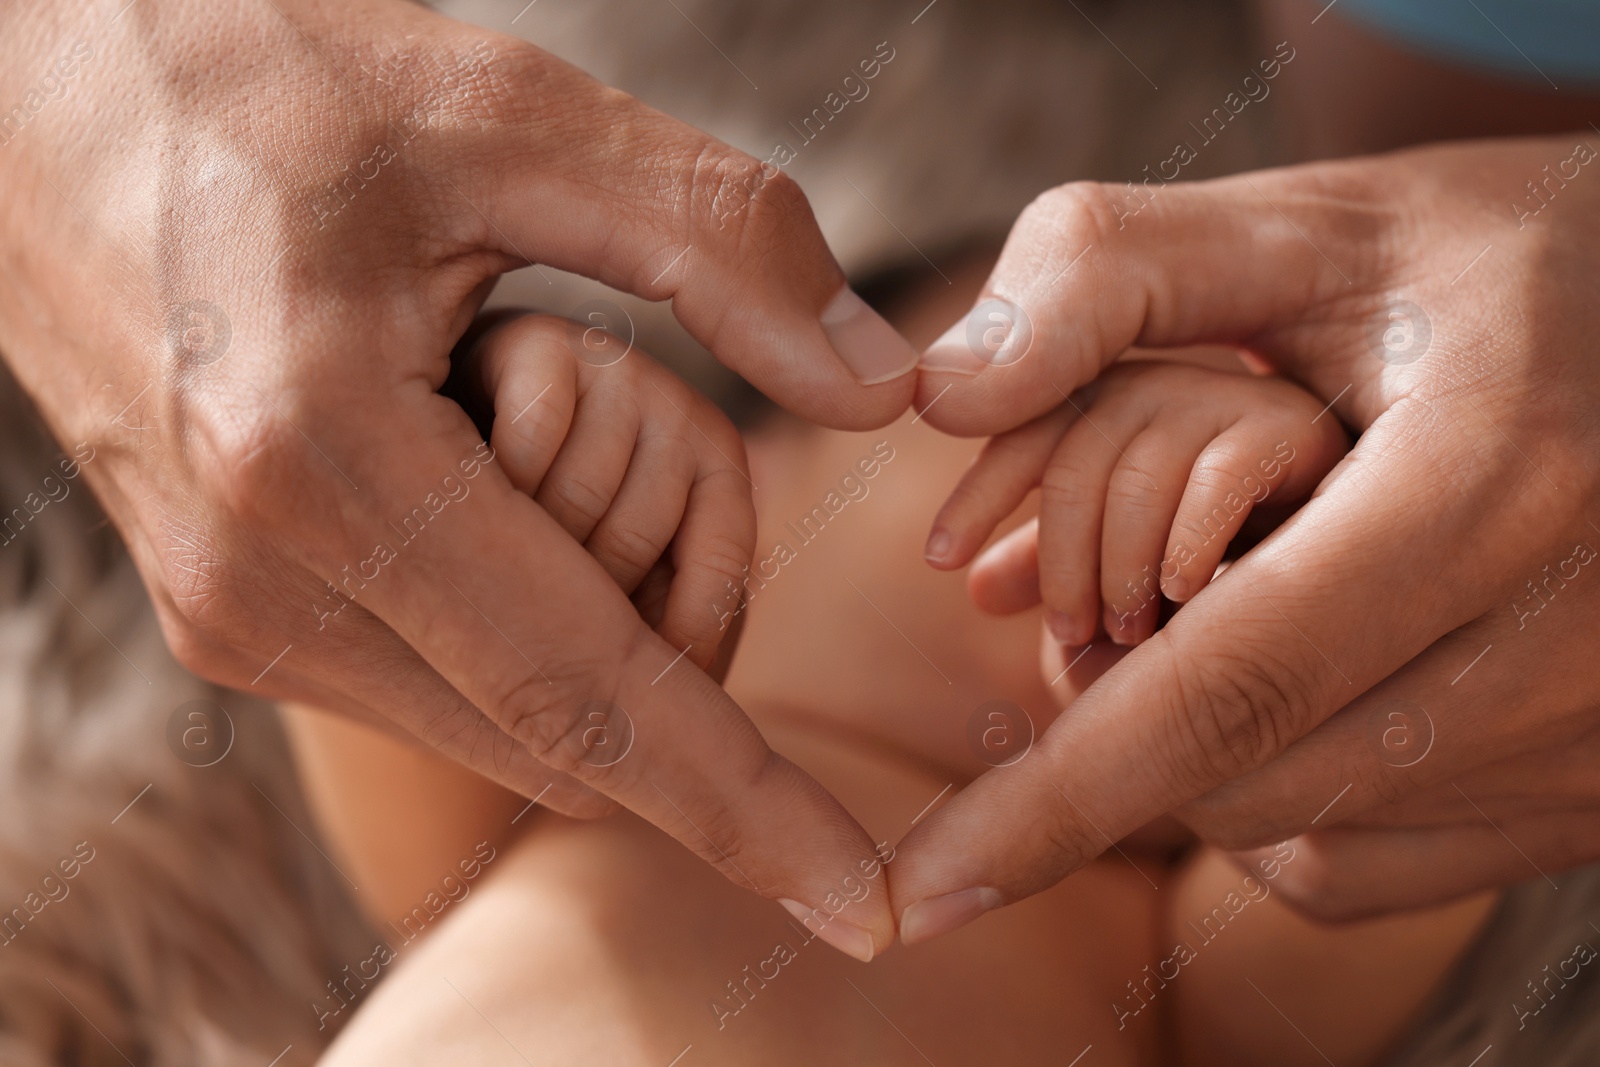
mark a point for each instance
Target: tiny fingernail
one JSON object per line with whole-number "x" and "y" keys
{"x": 927, "y": 919}
{"x": 872, "y": 349}
{"x": 939, "y": 545}
{"x": 1060, "y": 624}
{"x": 851, "y": 940}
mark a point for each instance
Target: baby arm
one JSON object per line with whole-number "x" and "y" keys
{"x": 1146, "y": 475}
{"x": 643, "y": 471}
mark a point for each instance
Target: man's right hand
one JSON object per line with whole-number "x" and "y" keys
{"x": 238, "y": 245}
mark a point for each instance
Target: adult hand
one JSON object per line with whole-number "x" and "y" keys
{"x": 238, "y": 243}
{"x": 1407, "y": 658}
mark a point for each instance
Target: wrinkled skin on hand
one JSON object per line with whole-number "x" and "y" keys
{"x": 1403, "y": 670}
{"x": 235, "y": 254}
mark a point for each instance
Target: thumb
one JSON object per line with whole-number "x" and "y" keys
{"x": 604, "y": 186}
{"x": 1090, "y": 269}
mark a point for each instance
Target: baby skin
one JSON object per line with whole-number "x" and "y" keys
{"x": 1146, "y": 476}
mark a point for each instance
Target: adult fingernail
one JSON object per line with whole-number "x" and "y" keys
{"x": 851, "y": 940}
{"x": 1061, "y": 628}
{"x": 939, "y": 544}
{"x": 927, "y": 919}
{"x": 996, "y": 333}
{"x": 951, "y": 354}
{"x": 872, "y": 349}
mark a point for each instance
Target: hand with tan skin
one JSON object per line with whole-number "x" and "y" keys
{"x": 237, "y": 247}
{"x": 1403, "y": 671}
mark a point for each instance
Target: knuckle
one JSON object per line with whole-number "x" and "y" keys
{"x": 525, "y": 447}
{"x": 1379, "y": 785}
{"x": 541, "y": 716}
{"x": 747, "y": 202}
{"x": 1066, "y": 482}
{"x": 776, "y": 198}
{"x": 574, "y": 500}
{"x": 442, "y": 98}
{"x": 205, "y": 605}
{"x": 1349, "y": 210}
{"x": 545, "y": 711}
{"x": 1236, "y": 710}
{"x": 457, "y": 85}
{"x": 199, "y": 600}
{"x": 1131, "y": 489}
{"x": 1076, "y": 213}
{"x": 257, "y": 461}
{"x": 1068, "y": 585}
{"x": 628, "y": 545}
{"x": 1070, "y": 843}
{"x": 1065, "y": 585}
{"x": 1217, "y": 472}
{"x": 1212, "y": 508}
{"x": 716, "y": 837}
{"x": 725, "y": 557}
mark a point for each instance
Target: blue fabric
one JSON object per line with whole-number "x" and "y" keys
{"x": 1546, "y": 41}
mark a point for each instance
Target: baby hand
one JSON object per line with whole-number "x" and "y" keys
{"x": 643, "y": 471}
{"x": 1146, "y": 474}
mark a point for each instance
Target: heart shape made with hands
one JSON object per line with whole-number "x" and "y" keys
{"x": 1271, "y": 708}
